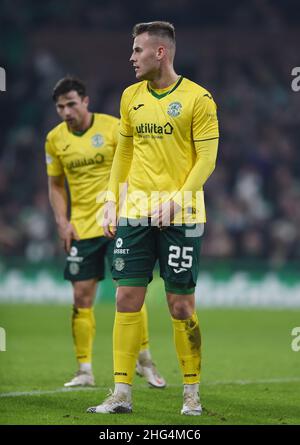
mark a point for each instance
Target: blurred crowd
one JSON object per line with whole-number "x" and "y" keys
{"x": 252, "y": 198}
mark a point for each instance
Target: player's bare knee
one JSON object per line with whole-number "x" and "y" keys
{"x": 83, "y": 295}
{"x": 129, "y": 299}
{"x": 181, "y": 309}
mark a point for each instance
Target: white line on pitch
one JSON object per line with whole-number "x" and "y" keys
{"x": 51, "y": 391}
{"x": 102, "y": 388}
{"x": 253, "y": 382}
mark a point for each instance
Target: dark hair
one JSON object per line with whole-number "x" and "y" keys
{"x": 161, "y": 29}
{"x": 68, "y": 84}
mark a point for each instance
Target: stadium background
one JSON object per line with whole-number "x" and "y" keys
{"x": 243, "y": 52}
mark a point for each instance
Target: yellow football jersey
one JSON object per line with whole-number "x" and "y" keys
{"x": 165, "y": 129}
{"x": 85, "y": 161}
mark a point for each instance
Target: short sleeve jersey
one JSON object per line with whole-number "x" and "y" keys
{"x": 85, "y": 160}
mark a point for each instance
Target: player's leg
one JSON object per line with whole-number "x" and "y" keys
{"x": 187, "y": 340}
{"x": 127, "y": 337}
{"x": 133, "y": 263}
{"x": 179, "y": 264}
{"x": 144, "y": 365}
{"x": 83, "y": 331}
{"x": 84, "y": 268}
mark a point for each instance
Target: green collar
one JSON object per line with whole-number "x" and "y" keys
{"x": 160, "y": 96}
{"x": 81, "y": 133}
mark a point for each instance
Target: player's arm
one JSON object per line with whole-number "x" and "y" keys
{"x": 206, "y": 138}
{"x": 58, "y": 196}
{"x": 59, "y": 203}
{"x": 206, "y": 161}
{"x": 118, "y": 176}
{"x": 203, "y": 168}
{"x": 58, "y": 200}
{"x": 119, "y": 172}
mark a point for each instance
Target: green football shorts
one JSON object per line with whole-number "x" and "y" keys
{"x": 138, "y": 247}
{"x": 86, "y": 259}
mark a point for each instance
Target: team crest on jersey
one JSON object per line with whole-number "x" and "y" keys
{"x": 119, "y": 264}
{"x": 174, "y": 109}
{"x": 97, "y": 140}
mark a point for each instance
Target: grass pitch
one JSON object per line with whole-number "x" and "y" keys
{"x": 250, "y": 373}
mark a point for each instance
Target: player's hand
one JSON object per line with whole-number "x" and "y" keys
{"x": 163, "y": 215}
{"x": 67, "y": 233}
{"x": 110, "y": 219}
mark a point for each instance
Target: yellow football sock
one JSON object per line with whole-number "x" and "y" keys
{"x": 127, "y": 336}
{"x": 145, "y": 332}
{"x": 83, "y": 329}
{"x": 187, "y": 339}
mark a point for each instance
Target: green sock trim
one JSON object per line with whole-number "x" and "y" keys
{"x": 133, "y": 282}
{"x": 179, "y": 289}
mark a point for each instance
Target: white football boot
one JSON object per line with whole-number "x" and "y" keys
{"x": 115, "y": 403}
{"x": 191, "y": 404}
{"x": 82, "y": 378}
{"x": 146, "y": 368}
